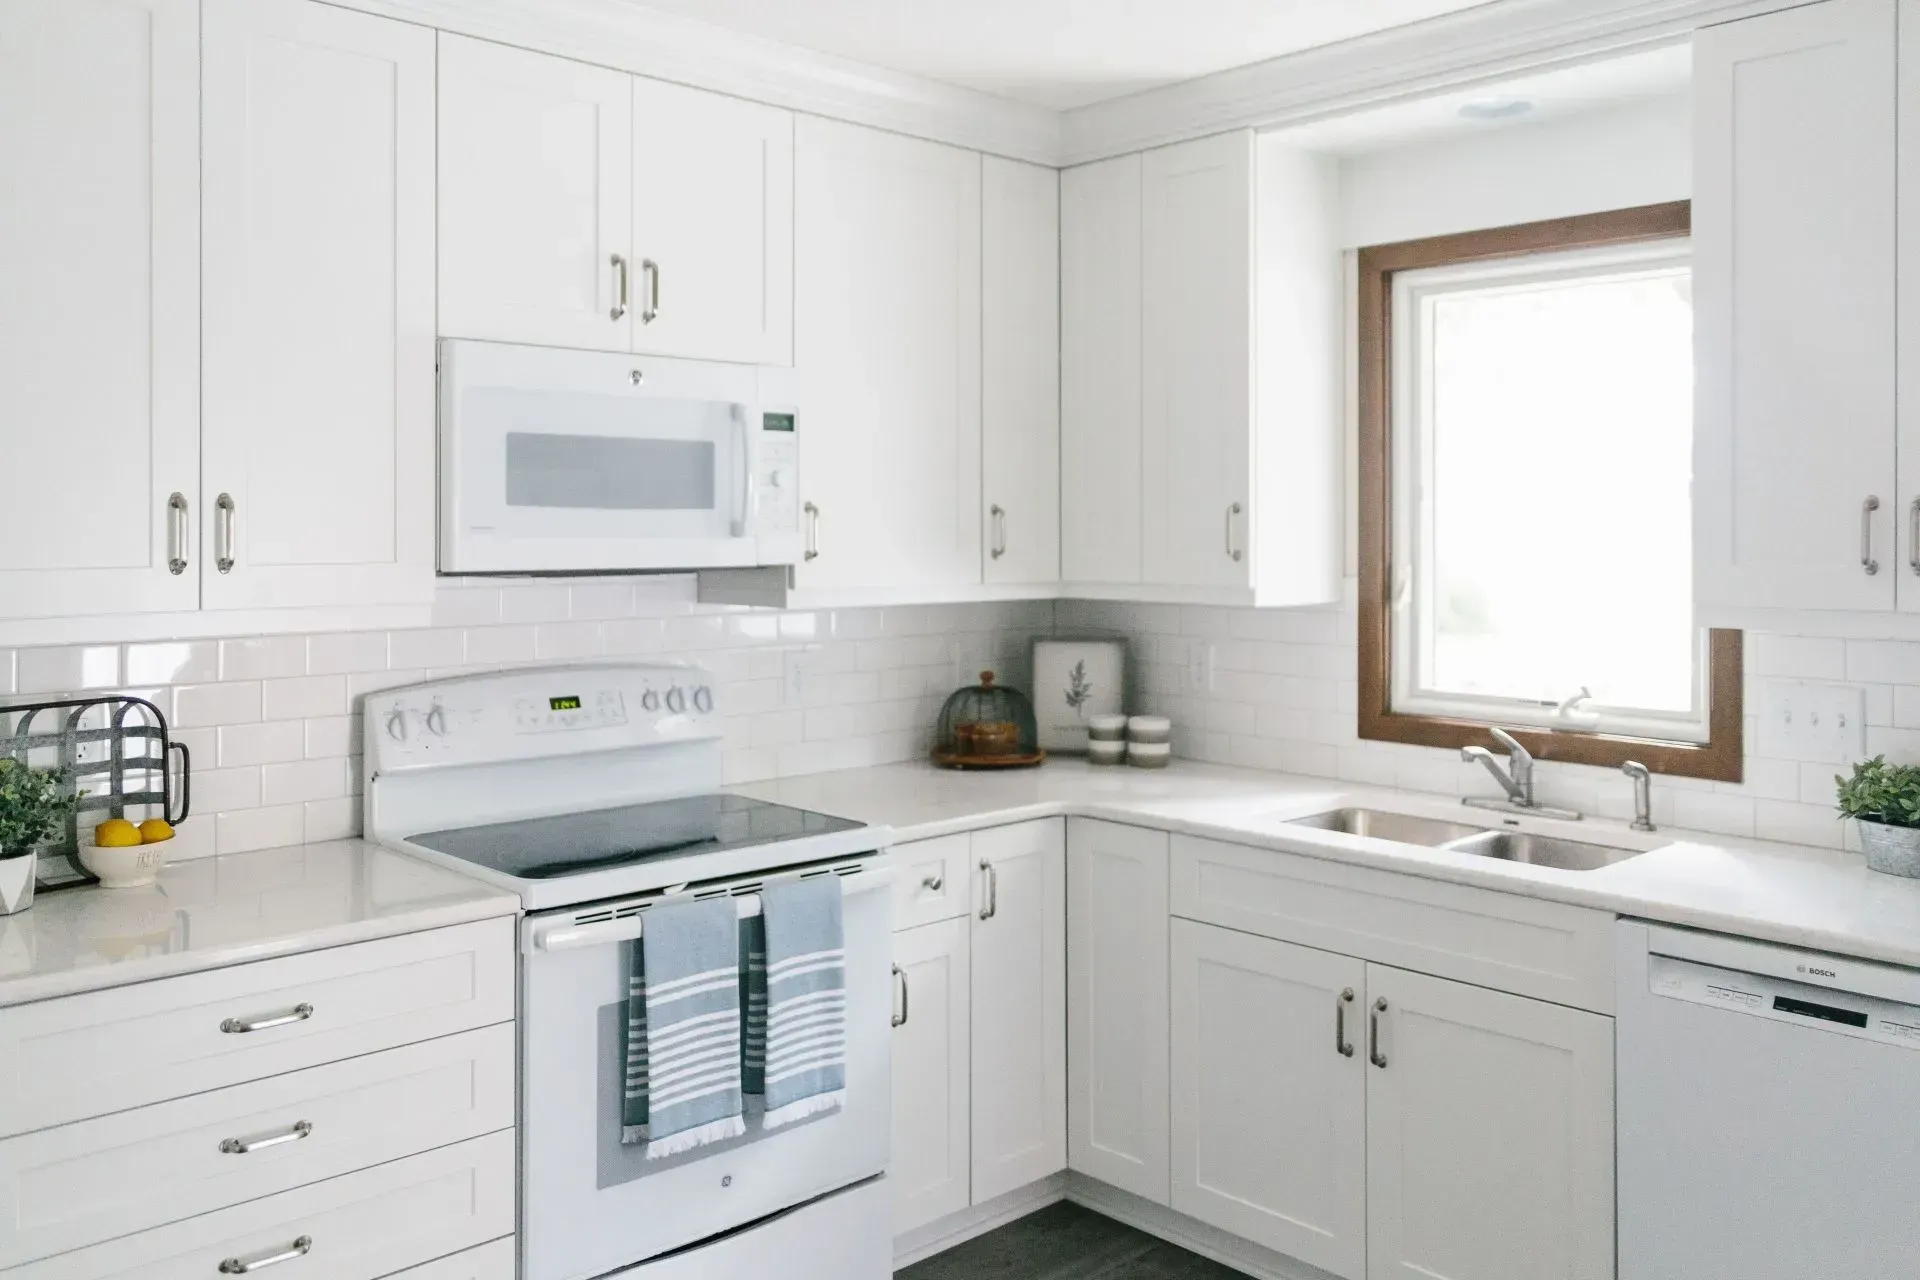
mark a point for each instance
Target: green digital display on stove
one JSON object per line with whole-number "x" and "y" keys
{"x": 564, "y": 704}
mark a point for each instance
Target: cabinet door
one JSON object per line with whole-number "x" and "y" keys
{"x": 1269, "y": 1094}
{"x": 1794, "y": 241}
{"x": 1196, "y": 360}
{"x": 1020, "y": 370}
{"x": 1100, "y": 488}
{"x": 535, "y": 198}
{"x": 929, "y": 1170}
{"x": 100, "y": 306}
{"x": 887, "y": 347}
{"x": 1489, "y": 1135}
{"x": 318, "y": 388}
{"x": 712, "y": 226}
{"x": 1907, "y": 392}
{"x": 1019, "y": 1006}
{"x": 1117, "y": 916}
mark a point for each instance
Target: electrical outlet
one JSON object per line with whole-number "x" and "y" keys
{"x": 1802, "y": 720}
{"x": 1199, "y": 667}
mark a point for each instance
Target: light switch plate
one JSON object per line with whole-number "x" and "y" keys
{"x": 1804, "y": 720}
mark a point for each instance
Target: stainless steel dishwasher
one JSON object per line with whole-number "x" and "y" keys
{"x": 1769, "y": 1111}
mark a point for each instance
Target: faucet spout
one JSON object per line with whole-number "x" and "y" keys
{"x": 1491, "y": 763}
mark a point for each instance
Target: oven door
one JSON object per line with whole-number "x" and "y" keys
{"x": 589, "y": 1204}
{"x": 570, "y": 460}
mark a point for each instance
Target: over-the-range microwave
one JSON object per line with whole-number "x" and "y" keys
{"x": 557, "y": 461}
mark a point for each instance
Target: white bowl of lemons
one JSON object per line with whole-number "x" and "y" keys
{"x": 126, "y": 856}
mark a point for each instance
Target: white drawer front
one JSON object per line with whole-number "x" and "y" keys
{"x": 488, "y": 1262}
{"x": 98, "y": 1179}
{"x": 367, "y": 1224}
{"x": 64, "y": 1060}
{"x": 1547, "y": 950}
{"x": 930, "y": 880}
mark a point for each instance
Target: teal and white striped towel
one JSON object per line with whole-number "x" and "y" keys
{"x": 683, "y": 1030}
{"x": 796, "y": 982}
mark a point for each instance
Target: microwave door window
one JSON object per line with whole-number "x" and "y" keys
{"x": 610, "y": 473}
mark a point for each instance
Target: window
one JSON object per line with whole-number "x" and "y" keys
{"x": 1526, "y": 525}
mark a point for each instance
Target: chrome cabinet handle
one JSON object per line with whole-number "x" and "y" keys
{"x": 1913, "y": 536}
{"x": 651, "y": 311}
{"x": 619, "y": 288}
{"x": 1867, "y": 562}
{"x": 813, "y": 531}
{"x": 999, "y": 514}
{"x": 223, "y": 519}
{"x": 243, "y": 1146}
{"x": 1233, "y": 510}
{"x": 1340, "y": 1042}
{"x": 300, "y": 1248}
{"x": 900, "y": 1019}
{"x": 1374, "y": 1055}
{"x": 240, "y": 1026}
{"x": 177, "y": 534}
{"x": 991, "y": 908}
{"x": 933, "y": 884}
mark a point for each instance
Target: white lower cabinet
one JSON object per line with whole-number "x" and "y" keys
{"x": 1270, "y": 1094}
{"x": 1117, "y": 891}
{"x": 1384, "y": 1124}
{"x": 1489, "y": 1135}
{"x": 930, "y": 1171}
{"x": 980, "y": 1013}
{"x": 489, "y": 1262}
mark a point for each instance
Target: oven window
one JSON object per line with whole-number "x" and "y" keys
{"x": 609, "y": 473}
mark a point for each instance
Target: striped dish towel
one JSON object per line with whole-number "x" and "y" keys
{"x": 796, "y": 981}
{"x": 683, "y": 1030}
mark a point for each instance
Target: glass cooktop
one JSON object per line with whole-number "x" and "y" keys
{"x": 574, "y": 844}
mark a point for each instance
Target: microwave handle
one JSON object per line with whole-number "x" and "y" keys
{"x": 746, "y": 513}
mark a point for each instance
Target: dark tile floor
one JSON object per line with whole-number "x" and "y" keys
{"x": 1066, "y": 1242}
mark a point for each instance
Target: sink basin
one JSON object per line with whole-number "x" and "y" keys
{"x": 1542, "y": 851}
{"x": 1388, "y": 826}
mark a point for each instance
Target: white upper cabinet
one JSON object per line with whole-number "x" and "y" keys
{"x": 1020, "y": 370}
{"x": 99, "y": 309}
{"x": 1019, "y": 999}
{"x": 318, "y": 380}
{"x": 1795, "y": 497}
{"x": 1100, "y": 337}
{"x": 887, "y": 349}
{"x": 1197, "y": 365}
{"x": 536, "y": 188}
{"x": 712, "y": 226}
{"x": 1907, "y": 253}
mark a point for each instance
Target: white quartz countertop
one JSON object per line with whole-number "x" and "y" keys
{"x": 212, "y": 912}
{"x": 1817, "y": 898}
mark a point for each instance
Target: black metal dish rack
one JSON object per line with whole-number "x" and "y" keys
{"x": 115, "y": 750}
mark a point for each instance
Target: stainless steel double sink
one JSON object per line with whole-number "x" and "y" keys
{"x": 1461, "y": 837}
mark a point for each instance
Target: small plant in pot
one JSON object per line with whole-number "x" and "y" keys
{"x": 1885, "y": 800}
{"x": 33, "y": 804}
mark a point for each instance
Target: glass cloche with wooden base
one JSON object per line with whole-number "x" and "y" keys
{"x": 987, "y": 726}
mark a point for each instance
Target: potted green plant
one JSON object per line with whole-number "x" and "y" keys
{"x": 1885, "y": 800}
{"x": 33, "y": 804}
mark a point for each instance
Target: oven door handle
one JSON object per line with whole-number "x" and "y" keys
{"x": 564, "y": 935}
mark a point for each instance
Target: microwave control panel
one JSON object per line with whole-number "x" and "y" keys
{"x": 777, "y": 472}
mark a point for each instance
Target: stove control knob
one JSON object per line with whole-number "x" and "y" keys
{"x": 703, "y": 700}
{"x": 397, "y": 725}
{"x": 676, "y": 700}
{"x": 437, "y": 721}
{"x": 650, "y": 701}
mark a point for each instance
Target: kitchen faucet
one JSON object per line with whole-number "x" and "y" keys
{"x": 1516, "y": 779}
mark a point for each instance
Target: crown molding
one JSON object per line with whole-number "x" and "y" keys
{"x": 624, "y": 35}
{"x": 1489, "y": 42}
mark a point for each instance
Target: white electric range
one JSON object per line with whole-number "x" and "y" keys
{"x": 594, "y": 793}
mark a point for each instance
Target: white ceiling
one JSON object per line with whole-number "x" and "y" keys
{"x": 1059, "y": 54}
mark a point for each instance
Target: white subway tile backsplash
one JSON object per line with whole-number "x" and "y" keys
{"x": 335, "y": 819}
{"x": 67, "y": 669}
{"x": 567, "y": 641}
{"x": 332, "y": 736}
{"x": 535, "y": 603}
{"x": 1883, "y": 661}
{"x": 595, "y": 601}
{"x": 1805, "y": 658}
{"x": 430, "y": 647}
{"x": 299, "y": 781}
{"x": 302, "y": 697}
{"x": 244, "y": 830}
{"x": 466, "y": 607}
{"x": 172, "y": 662}
{"x": 268, "y": 742}
{"x": 263, "y": 657}
{"x": 208, "y": 705}
{"x": 347, "y": 653}
{"x": 499, "y": 646}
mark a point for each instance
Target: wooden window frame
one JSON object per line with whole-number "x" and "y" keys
{"x": 1721, "y": 757}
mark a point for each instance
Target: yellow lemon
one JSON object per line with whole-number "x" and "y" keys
{"x": 154, "y": 830}
{"x": 116, "y": 833}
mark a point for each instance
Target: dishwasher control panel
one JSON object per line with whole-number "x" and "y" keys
{"x": 1821, "y": 1008}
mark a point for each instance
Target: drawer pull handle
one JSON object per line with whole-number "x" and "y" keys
{"x": 300, "y": 1248}
{"x": 240, "y": 1026}
{"x": 241, "y": 1146}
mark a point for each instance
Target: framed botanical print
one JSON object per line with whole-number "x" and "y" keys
{"x": 1072, "y": 680}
